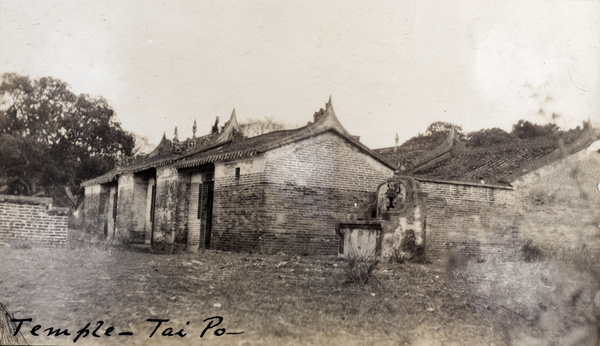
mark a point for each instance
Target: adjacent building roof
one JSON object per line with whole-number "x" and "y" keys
{"x": 495, "y": 164}
{"x": 228, "y": 144}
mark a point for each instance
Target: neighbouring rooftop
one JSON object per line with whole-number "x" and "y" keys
{"x": 491, "y": 164}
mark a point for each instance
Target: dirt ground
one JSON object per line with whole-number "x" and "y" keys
{"x": 273, "y": 299}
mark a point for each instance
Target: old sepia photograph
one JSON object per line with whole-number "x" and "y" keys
{"x": 263, "y": 172}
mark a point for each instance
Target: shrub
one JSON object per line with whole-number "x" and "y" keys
{"x": 531, "y": 252}
{"x": 360, "y": 268}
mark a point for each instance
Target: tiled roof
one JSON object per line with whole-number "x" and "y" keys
{"x": 233, "y": 147}
{"x": 407, "y": 155}
{"x": 497, "y": 164}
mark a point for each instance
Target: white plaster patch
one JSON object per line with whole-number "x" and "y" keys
{"x": 166, "y": 172}
{"x": 196, "y": 177}
{"x": 246, "y": 166}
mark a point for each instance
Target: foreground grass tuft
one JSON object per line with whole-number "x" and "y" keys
{"x": 360, "y": 268}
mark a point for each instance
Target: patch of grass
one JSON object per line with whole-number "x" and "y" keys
{"x": 538, "y": 300}
{"x": 21, "y": 245}
{"x": 292, "y": 300}
{"x": 360, "y": 268}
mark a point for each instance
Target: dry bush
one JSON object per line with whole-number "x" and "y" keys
{"x": 360, "y": 268}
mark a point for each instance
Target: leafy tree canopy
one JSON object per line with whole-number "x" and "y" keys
{"x": 523, "y": 129}
{"x": 52, "y": 139}
{"x": 489, "y": 137}
{"x": 437, "y": 131}
{"x": 434, "y": 135}
{"x": 442, "y": 128}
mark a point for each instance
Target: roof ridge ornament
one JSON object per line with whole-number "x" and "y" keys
{"x": 229, "y": 129}
{"x": 326, "y": 119}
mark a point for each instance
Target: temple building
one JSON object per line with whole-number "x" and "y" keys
{"x": 318, "y": 190}
{"x": 280, "y": 191}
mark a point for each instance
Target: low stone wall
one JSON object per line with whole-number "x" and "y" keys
{"x": 32, "y": 220}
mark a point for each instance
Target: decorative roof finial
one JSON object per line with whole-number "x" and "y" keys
{"x": 175, "y": 139}
{"x": 194, "y": 128}
{"x": 396, "y": 139}
{"x": 215, "y": 127}
{"x": 329, "y": 103}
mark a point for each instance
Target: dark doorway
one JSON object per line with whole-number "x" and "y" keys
{"x": 208, "y": 186}
{"x": 152, "y": 210}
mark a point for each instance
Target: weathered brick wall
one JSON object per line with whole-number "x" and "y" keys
{"x": 91, "y": 203}
{"x": 304, "y": 190}
{"x": 555, "y": 207}
{"x": 183, "y": 203}
{"x": 193, "y": 222}
{"x": 126, "y": 209}
{"x": 27, "y": 219}
{"x": 559, "y": 205}
{"x": 302, "y": 219}
{"x": 474, "y": 220}
{"x": 165, "y": 215}
{"x": 148, "y": 212}
{"x": 239, "y": 215}
{"x": 97, "y": 210}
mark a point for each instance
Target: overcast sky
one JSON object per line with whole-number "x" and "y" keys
{"x": 391, "y": 66}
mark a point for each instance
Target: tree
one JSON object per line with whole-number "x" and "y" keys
{"x": 442, "y": 127}
{"x": 52, "y": 139}
{"x": 434, "y": 135}
{"x": 256, "y": 127}
{"x": 491, "y": 136}
{"x": 142, "y": 145}
{"x": 523, "y": 129}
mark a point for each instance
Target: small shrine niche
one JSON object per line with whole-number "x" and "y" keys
{"x": 393, "y": 222}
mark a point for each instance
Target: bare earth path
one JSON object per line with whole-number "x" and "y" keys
{"x": 277, "y": 299}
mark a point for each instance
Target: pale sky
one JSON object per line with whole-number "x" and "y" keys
{"x": 390, "y": 66}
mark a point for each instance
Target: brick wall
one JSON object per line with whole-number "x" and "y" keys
{"x": 183, "y": 203}
{"x": 474, "y": 220}
{"x": 239, "y": 214}
{"x": 192, "y": 207}
{"x": 194, "y": 223}
{"x": 559, "y": 205}
{"x": 295, "y": 201}
{"x": 27, "y": 219}
{"x": 555, "y": 207}
{"x": 125, "y": 209}
{"x": 165, "y": 215}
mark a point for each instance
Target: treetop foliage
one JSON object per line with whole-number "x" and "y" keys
{"x": 52, "y": 138}
{"x": 437, "y": 131}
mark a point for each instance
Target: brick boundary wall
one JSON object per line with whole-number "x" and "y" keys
{"x": 32, "y": 220}
{"x": 475, "y": 220}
